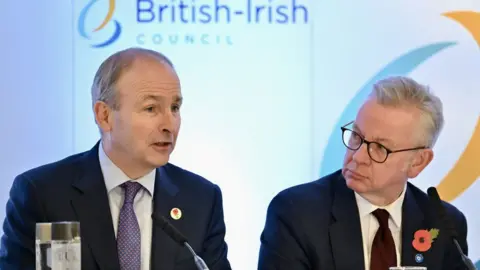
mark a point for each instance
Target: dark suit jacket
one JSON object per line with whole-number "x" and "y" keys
{"x": 73, "y": 189}
{"x": 317, "y": 226}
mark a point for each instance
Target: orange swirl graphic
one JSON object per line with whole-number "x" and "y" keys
{"x": 467, "y": 168}
{"x": 111, "y": 10}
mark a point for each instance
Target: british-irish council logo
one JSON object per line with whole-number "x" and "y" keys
{"x": 88, "y": 35}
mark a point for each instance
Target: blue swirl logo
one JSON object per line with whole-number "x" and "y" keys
{"x": 108, "y": 18}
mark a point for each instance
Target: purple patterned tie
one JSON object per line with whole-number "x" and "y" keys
{"x": 128, "y": 235}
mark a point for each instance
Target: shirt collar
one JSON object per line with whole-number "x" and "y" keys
{"x": 114, "y": 176}
{"x": 394, "y": 209}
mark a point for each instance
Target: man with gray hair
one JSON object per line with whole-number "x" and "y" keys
{"x": 367, "y": 215}
{"x": 124, "y": 190}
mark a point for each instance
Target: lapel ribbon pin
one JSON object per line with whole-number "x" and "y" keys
{"x": 423, "y": 239}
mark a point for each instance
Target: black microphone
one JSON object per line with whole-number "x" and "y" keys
{"x": 178, "y": 237}
{"x": 437, "y": 202}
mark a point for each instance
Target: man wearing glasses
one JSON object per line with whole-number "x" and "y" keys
{"x": 367, "y": 215}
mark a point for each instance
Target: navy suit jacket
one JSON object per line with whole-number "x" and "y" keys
{"x": 317, "y": 226}
{"x": 73, "y": 189}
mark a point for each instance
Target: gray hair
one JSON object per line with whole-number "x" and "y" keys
{"x": 109, "y": 72}
{"x": 404, "y": 91}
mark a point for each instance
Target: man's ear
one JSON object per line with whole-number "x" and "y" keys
{"x": 103, "y": 116}
{"x": 420, "y": 161}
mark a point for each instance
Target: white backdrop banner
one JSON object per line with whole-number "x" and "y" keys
{"x": 267, "y": 84}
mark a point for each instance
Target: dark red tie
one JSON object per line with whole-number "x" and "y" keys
{"x": 383, "y": 248}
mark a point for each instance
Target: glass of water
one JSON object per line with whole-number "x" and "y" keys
{"x": 58, "y": 246}
{"x": 408, "y": 268}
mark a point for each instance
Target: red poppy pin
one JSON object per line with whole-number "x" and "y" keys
{"x": 422, "y": 240}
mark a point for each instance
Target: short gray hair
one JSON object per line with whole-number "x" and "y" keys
{"x": 403, "y": 91}
{"x": 109, "y": 72}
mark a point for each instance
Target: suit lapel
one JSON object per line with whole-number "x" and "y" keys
{"x": 90, "y": 203}
{"x": 345, "y": 232}
{"x": 164, "y": 248}
{"x": 412, "y": 220}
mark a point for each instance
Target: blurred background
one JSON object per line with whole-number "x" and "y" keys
{"x": 265, "y": 92}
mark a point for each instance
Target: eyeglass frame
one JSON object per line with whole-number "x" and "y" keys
{"x": 363, "y": 140}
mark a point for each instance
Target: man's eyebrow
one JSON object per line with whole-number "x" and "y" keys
{"x": 382, "y": 140}
{"x": 150, "y": 97}
{"x": 356, "y": 128}
{"x": 177, "y": 99}
{"x": 374, "y": 139}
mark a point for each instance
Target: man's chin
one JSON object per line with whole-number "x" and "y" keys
{"x": 356, "y": 185}
{"x": 159, "y": 161}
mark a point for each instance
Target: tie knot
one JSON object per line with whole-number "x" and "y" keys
{"x": 382, "y": 216}
{"x": 131, "y": 190}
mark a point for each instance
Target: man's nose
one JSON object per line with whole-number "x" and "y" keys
{"x": 361, "y": 155}
{"x": 167, "y": 122}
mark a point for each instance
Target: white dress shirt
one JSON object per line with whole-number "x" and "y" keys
{"x": 114, "y": 177}
{"x": 370, "y": 225}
